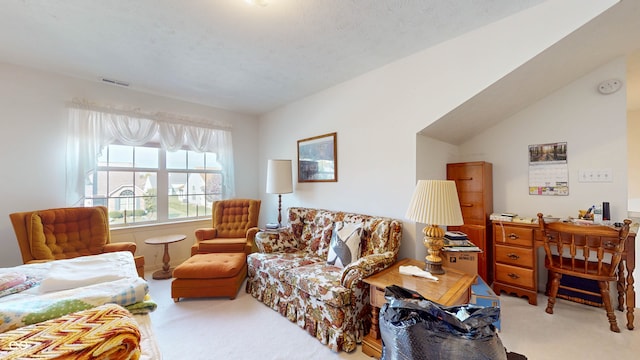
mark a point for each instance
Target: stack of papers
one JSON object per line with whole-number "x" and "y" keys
{"x": 502, "y": 216}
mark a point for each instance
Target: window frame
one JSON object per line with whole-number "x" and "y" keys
{"x": 162, "y": 185}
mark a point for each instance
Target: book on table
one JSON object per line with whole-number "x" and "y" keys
{"x": 455, "y": 235}
{"x": 456, "y": 238}
{"x": 458, "y": 243}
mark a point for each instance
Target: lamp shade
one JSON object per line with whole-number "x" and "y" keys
{"x": 279, "y": 178}
{"x": 435, "y": 202}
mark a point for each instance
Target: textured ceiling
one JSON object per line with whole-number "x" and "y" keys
{"x": 226, "y": 53}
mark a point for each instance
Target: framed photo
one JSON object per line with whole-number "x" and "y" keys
{"x": 317, "y": 159}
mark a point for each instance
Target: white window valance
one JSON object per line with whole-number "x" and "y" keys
{"x": 93, "y": 127}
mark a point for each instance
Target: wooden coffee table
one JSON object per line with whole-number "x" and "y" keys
{"x": 165, "y": 273}
{"x": 453, "y": 288}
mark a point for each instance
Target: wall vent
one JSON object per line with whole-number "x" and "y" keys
{"x": 115, "y": 82}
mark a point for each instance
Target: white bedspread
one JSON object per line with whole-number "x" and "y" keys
{"x": 83, "y": 271}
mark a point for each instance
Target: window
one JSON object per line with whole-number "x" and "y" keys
{"x": 194, "y": 183}
{"x": 146, "y": 170}
{"x": 128, "y": 180}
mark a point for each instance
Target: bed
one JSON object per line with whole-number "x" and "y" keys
{"x": 95, "y": 305}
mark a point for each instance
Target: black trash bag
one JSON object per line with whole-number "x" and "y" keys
{"x": 414, "y": 328}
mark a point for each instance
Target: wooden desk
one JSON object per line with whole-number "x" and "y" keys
{"x": 453, "y": 288}
{"x": 625, "y": 284}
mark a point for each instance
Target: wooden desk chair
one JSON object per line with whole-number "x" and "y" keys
{"x": 585, "y": 251}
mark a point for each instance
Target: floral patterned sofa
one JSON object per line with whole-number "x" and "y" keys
{"x": 290, "y": 274}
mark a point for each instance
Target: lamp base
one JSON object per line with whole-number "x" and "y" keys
{"x": 434, "y": 267}
{"x": 433, "y": 241}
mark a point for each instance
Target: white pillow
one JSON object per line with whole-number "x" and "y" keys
{"x": 345, "y": 244}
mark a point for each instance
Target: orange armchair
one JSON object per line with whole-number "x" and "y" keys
{"x": 64, "y": 233}
{"x": 234, "y": 228}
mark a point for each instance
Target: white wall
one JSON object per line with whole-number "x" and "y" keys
{"x": 377, "y": 115}
{"x": 595, "y": 129}
{"x": 33, "y": 143}
{"x": 633, "y": 161}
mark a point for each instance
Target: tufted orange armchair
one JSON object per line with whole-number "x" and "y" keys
{"x": 234, "y": 228}
{"x": 64, "y": 233}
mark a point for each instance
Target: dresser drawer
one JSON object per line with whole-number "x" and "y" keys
{"x": 514, "y": 256}
{"x": 513, "y": 235}
{"x": 467, "y": 177}
{"x": 472, "y": 206}
{"x": 515, "y": 275}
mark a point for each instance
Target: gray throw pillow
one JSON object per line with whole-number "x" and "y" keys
{"x": 345, "y": 244}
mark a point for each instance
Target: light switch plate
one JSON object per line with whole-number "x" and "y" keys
{"x": 595, "y": 175}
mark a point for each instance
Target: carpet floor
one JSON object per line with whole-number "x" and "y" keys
{"x": 244, "y": 328}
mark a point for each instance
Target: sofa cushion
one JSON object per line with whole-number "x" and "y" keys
{"x": 275, "y": 264}
{"x": 345, "y": 244}
{"x": 222, "y": 245}
{"x": 67, "y": 233}
{"x": 37, "y": 240}
{"x": 232, "y": 218}
{"x": 316, "y": 232}
{"x": 280, "y": 241}
{"x": 210, "y": 266}
{"x": 320, "y": 281}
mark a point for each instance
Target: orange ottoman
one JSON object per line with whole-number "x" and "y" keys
{"x": 209, "y": 275}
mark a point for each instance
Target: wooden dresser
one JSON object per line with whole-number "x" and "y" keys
{"x": 515, "y": 265}
{"x": 474, "y": 181}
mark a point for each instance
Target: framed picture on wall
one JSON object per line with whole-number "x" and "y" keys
{"x": 318, "y": 159}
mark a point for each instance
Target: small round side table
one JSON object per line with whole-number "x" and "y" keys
{"x": 165, "y": 273}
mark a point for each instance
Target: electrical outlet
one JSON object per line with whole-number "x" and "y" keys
{"x": 595, "y": 175}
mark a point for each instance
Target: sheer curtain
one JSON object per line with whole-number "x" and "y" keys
{"x": 92, "y": 128}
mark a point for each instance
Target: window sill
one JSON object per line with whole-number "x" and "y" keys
{"x": 167, "y": 225}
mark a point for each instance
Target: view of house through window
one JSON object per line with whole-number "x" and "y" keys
{"x": 143, "y": 184}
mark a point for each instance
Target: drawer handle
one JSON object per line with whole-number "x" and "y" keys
{"x": 513, "y": 256}
{"x": 513, "y": 236}
{"x": 609, "y": 244}
{"x": 513, "y": 276}
{"x": 466, "y": 205}
{"x": 465, "y": 179}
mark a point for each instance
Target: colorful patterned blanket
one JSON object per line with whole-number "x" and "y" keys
{"x": 118, "y": 283}
{"x": 106, "y": 332}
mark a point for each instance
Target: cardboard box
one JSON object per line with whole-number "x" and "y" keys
{"x": 465, "y": 261}
{"x": 483, "y": 295}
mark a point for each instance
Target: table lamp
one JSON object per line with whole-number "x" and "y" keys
{"x": 279, "y": 181}
{"x": 435, "y": 202}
